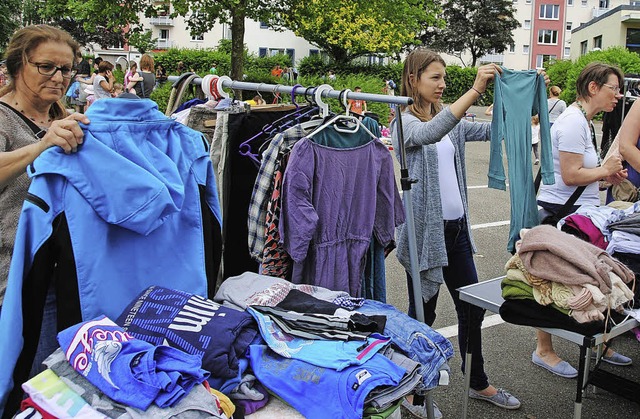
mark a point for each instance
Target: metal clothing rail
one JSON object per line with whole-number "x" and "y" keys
{"x": 301, "y": 90}
{"x": 326, "y": 90}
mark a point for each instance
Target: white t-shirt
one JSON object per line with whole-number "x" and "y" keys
{"x": 452, "y": 208}
{"x": 98, "y": 91}
{"x": 556, "y": 108}
{"x": 571, "y": 133}
{"x": 535, "y": 134}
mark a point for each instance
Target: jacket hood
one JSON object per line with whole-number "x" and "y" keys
{"x": 122, "y": 169}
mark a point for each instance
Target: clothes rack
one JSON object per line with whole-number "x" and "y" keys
{"x": 629, "y": 83}
{"x": 326, "y": 91}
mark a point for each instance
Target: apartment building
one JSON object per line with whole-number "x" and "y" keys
{"x": 619, "y": 26}
{"x": 173, "y": 33}
{"x": 545, "y": 30}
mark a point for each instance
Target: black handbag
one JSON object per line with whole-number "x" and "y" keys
{"x": 547, "y": 217}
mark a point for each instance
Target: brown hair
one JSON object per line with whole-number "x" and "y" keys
{"x": 595, "y": 72}
{"x": 133, "y": 65}
{"x": 535, "y": 120}
{"x": 414, "y": 65}
{"x": 555, "y": 90}
{"x": 147, "y": 63}
{"x": 105, "y": 66}
{"x": 22, "y": 43}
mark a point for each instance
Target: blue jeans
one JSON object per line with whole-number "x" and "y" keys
{"x": 460, "y": 272}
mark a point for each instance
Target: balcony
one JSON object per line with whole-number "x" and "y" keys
{"x": 492, "y": 58}
{"x": 596, "y": 11}
{"x": 164, "y": 44}
{"x": 162, "y": 21}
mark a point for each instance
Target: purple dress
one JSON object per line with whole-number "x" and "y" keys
{"x": 333, "y": 201}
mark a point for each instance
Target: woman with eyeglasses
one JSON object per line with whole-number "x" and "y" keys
{"x": 40, "y": 62}
{"x": 576, "y": 163}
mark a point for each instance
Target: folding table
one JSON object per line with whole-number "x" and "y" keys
{"x": 488, "y": 295}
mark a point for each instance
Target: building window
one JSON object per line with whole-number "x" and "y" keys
{"x": 547, "y": 37}
{"x": 567, "y": 51}
{"x": 603, "y": 4}
{"x": 512, "y": 49}
{"x": 569, "y": 25}
{"x": 550, "y": 11}
{"x": 527, "y": 1}
{"x": 584, "y": 3}
{"x": 583, "y": 47}
{"x": 633, "y": 39}
{"x": 543, "y": 59}
{"x": 262, "y": 52}
{"x": 197, "y": 37}
{"x": 527, "y": 24}
{"x": 292, "y": 54}
{"x": 515, "y": 1}
{"x": 313, "y": 52}
{"x": 597, "y": 42}
{"x": 569, "y": 2}
{"x": 263, "y": 25}
{"x": 164, "y": 34}
{"x": 525, "y": 49}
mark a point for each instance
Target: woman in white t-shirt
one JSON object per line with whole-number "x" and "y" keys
{"x": 555, "y": 105}
{"x": 103, "y": 82}
{"x": 575, "y": 162}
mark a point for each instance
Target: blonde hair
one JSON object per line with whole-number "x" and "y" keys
{"x": 414, "y": 65}
{"x": 555, "y": 90}
{"x": 535, "y": 120}
{"x": 22, "y": 43}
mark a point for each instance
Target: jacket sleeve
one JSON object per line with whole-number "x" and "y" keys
{"x": 418, "y": 133}
{"x": 298, "y": 218}
{"x": 546, "y": 156}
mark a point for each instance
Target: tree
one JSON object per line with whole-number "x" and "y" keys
{"x": 477, "y": 26}
{"x": 347, "y": 29}
{"x": 9, "y": 19}
{"x": 143, "y": 41}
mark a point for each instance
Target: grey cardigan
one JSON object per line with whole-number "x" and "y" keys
{"x": 420, "y": 140}
{"x": 14, "y": 134}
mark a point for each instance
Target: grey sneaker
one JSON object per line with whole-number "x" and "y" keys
{"x": 421, "y": 410}
{"x": 501, "y": 399}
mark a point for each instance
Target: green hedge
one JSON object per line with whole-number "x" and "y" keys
{"x": 564, "y": 73}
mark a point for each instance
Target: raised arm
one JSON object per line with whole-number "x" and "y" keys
{"x": 629, "y": 134}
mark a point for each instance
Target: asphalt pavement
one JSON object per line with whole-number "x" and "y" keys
{"x": 507, "y": 348}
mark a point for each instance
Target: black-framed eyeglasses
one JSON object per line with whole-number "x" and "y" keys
{"x": 49, "y": 70}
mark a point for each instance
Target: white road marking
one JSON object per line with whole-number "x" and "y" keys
{"x": 452, "y": 331}
{"x": 488, "y": 225}
{"x": 483, "y": 186}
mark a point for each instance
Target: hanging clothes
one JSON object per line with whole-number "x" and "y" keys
{"x": 519, "y": 95}
{"x": 239, "y": 178}
{"x": 135, "y": 206}
{"x": 333, "y": 201}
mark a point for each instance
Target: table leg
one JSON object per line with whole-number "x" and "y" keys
{"x": 429, "y": 405}
{"x": 582, "y": 377}
{"x": 467, "y": 367}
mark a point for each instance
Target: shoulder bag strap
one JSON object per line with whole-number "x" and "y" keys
{"x": 37, "y": 131}
{"x": 554, "y": 105}
{"x": 566, "y": 208}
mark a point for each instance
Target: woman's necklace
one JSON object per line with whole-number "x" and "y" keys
{"x": 591, "y": 128}
{"x": 38, "y": 121}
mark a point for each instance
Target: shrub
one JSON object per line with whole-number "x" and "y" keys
{"x": 557, "y": 71}
{"x": 629, "y": 62}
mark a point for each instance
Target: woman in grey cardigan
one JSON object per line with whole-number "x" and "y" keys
{"x": 435, "y": 139}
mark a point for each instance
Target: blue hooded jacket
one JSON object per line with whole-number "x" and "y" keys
{"x": 136, "y": 206}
